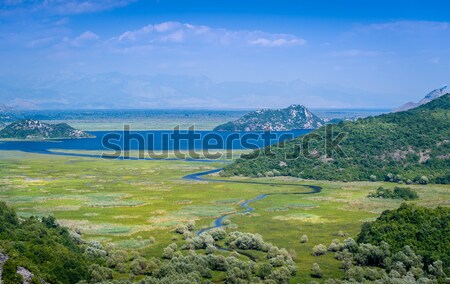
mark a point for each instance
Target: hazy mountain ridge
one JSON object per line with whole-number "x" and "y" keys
{"x": 121, "y": 91}
{"x": 293, "y": 117}
{"x": 9, "y": 114}
{"x": 407, "y": 145}
{"x": 33, "y": 129}
{"x": 428, "y": 98}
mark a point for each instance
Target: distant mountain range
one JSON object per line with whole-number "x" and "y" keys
{"x": 9, "y": 114}
{"x": 428, "y": 98}
{"x": 122, "y": 91}
{"x": 33, "y": 129}
{"x": 293, "y": 117}
{"x": 408, "y": 146}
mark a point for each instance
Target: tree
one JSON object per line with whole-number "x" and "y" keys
{"x": 424, "y": 180}
{"x": 210, "y": 249}
{"x": 138, "y": 266}
{"x": 263, "y": 270}
{"x": 168, "y": 252}
{"x": 99, "y": 273}
{"x": 316, "y": 271}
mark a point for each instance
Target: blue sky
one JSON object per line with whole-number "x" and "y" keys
{"x": 342, "y": 53}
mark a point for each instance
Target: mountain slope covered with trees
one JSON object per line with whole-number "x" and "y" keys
{"x": 33, "y": 129}
{"x": 293, "y": 117}
{"x": 410, "y": 146}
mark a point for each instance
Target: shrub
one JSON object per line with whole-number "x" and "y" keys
{"x": 190, "y": 226}
{"x": 99, "y": 273}
{"x": 350, "y": 245}
{"x": 304, "y": 239}
{"x": 335, "y": 246}
{"x": 404, "y": 193}
{"x": 263, "y": 270}
{"x": 210, "y": 249}
{"x": 9, "y": 274}
{"x": 169, "y": 251}
{"x": 316, "y": 271}
{"x": 247, "y": 241}
{"x": 372, "y": 255}
{"x": 319, "y": 249}
{"x": 138, "y": 266}
{"x": 218, "y": 234}
{"x": 424, "y": 180}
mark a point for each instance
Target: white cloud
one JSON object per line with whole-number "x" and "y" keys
{"x": 61, "y": 7}
{"x": 83, "y": 39}
{"x": 168, "y": 26}
{"x": 176, "y": 32}
{"x": 355, "y": 53}
{"x": 277, "y": 42}
{"x": 405, "y": 26}
{"x": 88, "y": 35}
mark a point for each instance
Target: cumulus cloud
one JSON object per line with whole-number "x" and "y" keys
{"x": 176, "y": 32}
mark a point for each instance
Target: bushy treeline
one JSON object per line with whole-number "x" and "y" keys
{"x": 407, "y": 245}
{"x": 410, "y": 145}
{"x": 216, "y": 253}
{"x": 404, "y": 193}
{"x": 41, "y": 246}
{"x": 367, "y": 263}
{"x": 425, "y": 230}
{"x": 278, "y": 267}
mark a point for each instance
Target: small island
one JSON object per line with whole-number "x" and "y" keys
{"x": 30, "y": 129}
{"x": 293, "y": 117}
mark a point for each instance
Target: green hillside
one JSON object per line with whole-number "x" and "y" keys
{"x": 410, "y": 146}
{"x": 33, "y": 129}
{"x": 41, "y": 246}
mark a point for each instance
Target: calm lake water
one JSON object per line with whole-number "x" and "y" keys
{"x": 158, "y": 140}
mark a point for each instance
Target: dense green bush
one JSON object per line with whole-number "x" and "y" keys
{"x": 404, "y": 193}
{"x": 319, "y": 249}
{"x": 425, "y": 230}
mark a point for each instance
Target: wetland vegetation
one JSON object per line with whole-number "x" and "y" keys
{"x": 136, "y": 208}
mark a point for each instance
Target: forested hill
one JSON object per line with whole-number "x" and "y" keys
{"x": 409, "y": 146}
{"x": 293, "y": 117}
{"x": 33, "y": 129}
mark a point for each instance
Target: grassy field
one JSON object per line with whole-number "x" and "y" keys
{"x": 127, "y": 202}
{"x": 155, "y": 123}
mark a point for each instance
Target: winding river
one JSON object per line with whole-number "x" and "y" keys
{"x": 246, "y": 204}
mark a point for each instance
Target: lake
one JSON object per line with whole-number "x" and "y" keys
{"x": 157, "y": 140}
